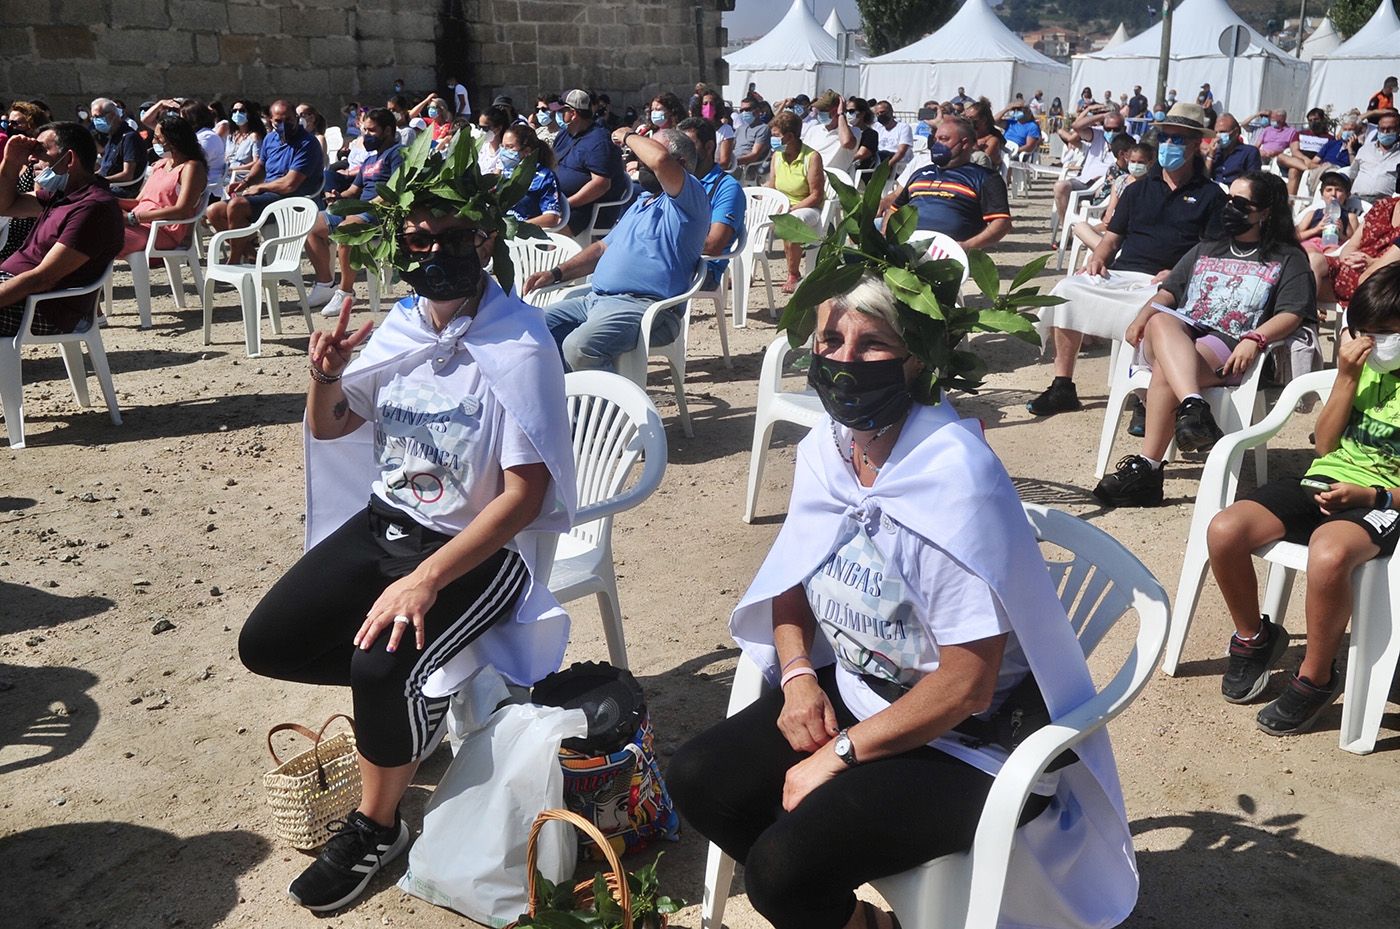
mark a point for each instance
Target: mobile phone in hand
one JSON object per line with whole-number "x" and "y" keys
{"x": 1316, "y": 485}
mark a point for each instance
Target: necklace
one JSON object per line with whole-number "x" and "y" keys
{"x": 1242, "y": 254}
{"x": 864, "y": 458}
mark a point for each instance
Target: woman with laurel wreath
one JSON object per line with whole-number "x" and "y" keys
{"x": 902, "y": 613}
{"x": 453, "y": 422}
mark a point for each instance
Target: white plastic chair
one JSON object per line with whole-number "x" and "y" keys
{"x": 615, "y": 426}
{"x": 1060, "y": 225}
{"x": 592, "y": 231}
{"x": 176, "y": 259}
{"x": 719, "y": 294}
{"x": 633, "y": 364}
{"x": 71, "y": 344}
{"x": 1375, "y": 631}
{"x": 530, "y": 256}
{"x": 1102, "y": 582}
{"x": 278, "y": 259}
{"x": 774, "y": 406}
{"x": 830, "y": 217}
{"x": 763, "y": 204}
{"x": 1234, "y": 408}
{"x": 335, "y": 140}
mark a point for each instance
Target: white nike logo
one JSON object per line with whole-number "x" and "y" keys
{"x": 393, "y": 533}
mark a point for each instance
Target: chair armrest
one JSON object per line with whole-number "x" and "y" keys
{"x": 219, "y": 238}
{"x": 566, "y": 289}
{"x": 274, "y": 243}
{"x": 649, "y": 316}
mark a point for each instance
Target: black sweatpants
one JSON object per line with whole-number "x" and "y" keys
{"x": 303, "y": 630}
{"x": 879, "y": 818}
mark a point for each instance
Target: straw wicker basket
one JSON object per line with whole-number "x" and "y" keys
{"x": 583, "y": 891}
{"x": 308, "y": 791}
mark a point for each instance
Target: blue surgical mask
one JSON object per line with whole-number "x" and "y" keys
{"x": 939, "y": 154}
{"x": 777, "y": 143}
{"x": 799, "y": 110}
{"x": 121, "y": 111}
{"x": 158, "y": 149}
{"x": 1385, "y": 139}
{"x": 1225, "y": 139}
{"x": 508, "y": 159}
{"x": 1159, "y": 115}
{"x": 544, "y": 117}
{"x": 658, "y": 117}
{"x": 1171, "y": 155}
{"x": 240, "y": 118}
{"x": 1110, "y": 134}
{"x": 1348, "y": 135}
{"x": 559, "y": 119}
{"x": 1014, "y": 114}
{"x": 432, "y": 112}
{"x": 745, "y": 118}
{"x": 51, "y": 182}
{"x": 102, "y": 124}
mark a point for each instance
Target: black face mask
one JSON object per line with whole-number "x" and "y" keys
{"x": 648, "y": 179}
{"x": 1234, "y": 220}
{"x": 863, "y": 395}
{"x": 446, "y": 277}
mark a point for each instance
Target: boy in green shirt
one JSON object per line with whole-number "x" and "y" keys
{"x": 1345, "y": 512}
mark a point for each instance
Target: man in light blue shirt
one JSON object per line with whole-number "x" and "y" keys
{"x": 650, "y": 255}
{"x": 727, "y": 201}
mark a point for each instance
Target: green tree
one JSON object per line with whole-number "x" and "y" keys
{"x": 1350, "y": 15}
{"x": 892, "y": 24}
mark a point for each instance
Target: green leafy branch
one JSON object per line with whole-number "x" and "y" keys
{"x": 450, "y": 183}
{"x": 560, "y": 908}
{"x": 935, "y": 318}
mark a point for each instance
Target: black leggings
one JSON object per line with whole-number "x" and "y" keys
{"x": 876, "y": 819}
{"x": 303, "y": 628}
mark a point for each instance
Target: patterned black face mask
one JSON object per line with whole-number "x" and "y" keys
{"x": 446, "y": 277}
{"x": 864, "y": 395}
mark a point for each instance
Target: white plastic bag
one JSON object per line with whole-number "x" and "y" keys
{"x": 471, "y": 855}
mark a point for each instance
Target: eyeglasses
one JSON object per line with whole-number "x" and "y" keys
{"x": 239, "y": 109}
{"x": 1242, "y": 204}
{"x": 453, "y": 242}
{"x": 1175, "y": 139}
{"x": 852, "y": 112}
{"x": 745, "y": 109}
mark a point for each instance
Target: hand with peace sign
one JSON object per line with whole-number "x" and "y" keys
{"x": 327, "y": 411}
{"x": 331, "y": 351}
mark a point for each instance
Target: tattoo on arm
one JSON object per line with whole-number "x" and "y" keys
{"x": 340, "y": 409}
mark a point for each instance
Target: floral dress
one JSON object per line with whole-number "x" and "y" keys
{"x": 1380, "y": 228}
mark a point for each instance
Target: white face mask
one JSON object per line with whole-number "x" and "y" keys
{"x": 1385, "y": 357}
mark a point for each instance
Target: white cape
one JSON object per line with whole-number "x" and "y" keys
{"x": 1074, "y": 864}
{"x": 508, "y": 339}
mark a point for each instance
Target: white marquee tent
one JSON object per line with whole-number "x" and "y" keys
{"x": 1323, "y": 41}
{"x": 1264, "y": 75}
{"x": 1120, "y": 35}
{"x": 1348, "y": 76}
{"x": 797, "y": 56}
{"x": 974, "y": 50}
{"x": 833, "y": 24}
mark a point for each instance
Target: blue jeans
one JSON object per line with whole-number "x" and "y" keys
{"x": 594, "y": 329}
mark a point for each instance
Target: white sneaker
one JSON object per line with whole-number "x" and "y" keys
{"x": 337, "y": 300}
{"x": 319, "y": 295}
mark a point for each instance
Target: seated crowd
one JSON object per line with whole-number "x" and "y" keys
{"x": 1197, "y": 264}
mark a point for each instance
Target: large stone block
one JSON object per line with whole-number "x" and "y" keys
{"x": 418, "y": 25}
{"x": 299, "y": 82}
{"x": 282, "y": 50}
{"x": 43, "y": 79}
{"x": 145, "y": 46}
{"x": 246, "y": 19}
{"x": 205, "y": 81}
{"x": 70, "y": 12}
{"x": 200, "y": 15}
{"x": 409, "y": 52}
{"x": 15, "y": 43}
{"x": 332, "y": 50}
{"x": 99, "y": 80}
{"x": 238, "y": 49}
{"x": 314, "y": 22}
{"x": 60, "y": 43}
{"x": 377, "y": 53}
{"x": 154, "y": 13}
{"x": 206, "y": 48}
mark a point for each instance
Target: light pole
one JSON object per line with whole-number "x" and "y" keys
{"x": 1165, "y": 59}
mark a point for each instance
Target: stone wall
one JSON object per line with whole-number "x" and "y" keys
{"x": 331, "y": 51}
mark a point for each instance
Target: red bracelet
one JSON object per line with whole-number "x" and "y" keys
{"x": 1257, "y": 339}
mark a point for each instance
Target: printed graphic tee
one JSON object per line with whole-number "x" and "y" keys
{"x": 1214, "y": 287}
{"x": 441, "y": 438}
{"x": 887, "y": 600}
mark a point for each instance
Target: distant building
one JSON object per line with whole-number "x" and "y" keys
{"x": 1055, "y": 43}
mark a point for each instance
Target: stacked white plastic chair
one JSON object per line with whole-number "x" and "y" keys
{"x": 1101, "y": 582}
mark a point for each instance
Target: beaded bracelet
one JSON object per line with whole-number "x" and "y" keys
{"x": 322, "y": 377}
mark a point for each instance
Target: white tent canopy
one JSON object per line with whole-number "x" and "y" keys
{"x": 1120, "y": 35}
{"x": 797, "y": 56}
{"x": 1323, "y": 41}
{"x": 833, "y": 24}
{"x": 1348, "y": 76}
{"x": 1264, "y": 75}
{"x": 974, "y": 50}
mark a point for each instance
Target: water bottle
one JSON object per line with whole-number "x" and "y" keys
{"x": 1331, "y": 219}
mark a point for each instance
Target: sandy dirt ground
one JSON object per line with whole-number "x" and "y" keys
{"x": 131, "y": 758}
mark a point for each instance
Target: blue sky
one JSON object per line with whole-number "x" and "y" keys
{"x": 752, "y": 18}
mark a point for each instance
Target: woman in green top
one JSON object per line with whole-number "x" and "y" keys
{"x": 797, "y": 173}
{"x": 1345, "y": 512}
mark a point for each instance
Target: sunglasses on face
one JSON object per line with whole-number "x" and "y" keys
{"x": 1176, "y": 139}
{"x": 745, "y": 109}
{"x": 239, "y": 109}
{"x": 453, "y": 242}
{"x": 1242, "y": 204}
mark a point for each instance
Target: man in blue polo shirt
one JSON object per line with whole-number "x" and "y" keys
{"x": 650, "y": 255}
{"x": 292, "y": 166}
{"x": 123, "y": 160}
{"x": 1232, "y": 157}
{"x": 1022, "y": 128}
{"x": 954, "y": 196}
{"x": 727, "y": 202}
{"x": 381, "y": 140}
{"x": 588, "y": 165}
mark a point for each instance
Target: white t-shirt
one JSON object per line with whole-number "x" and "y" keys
{"x": 461, "y": 102}
{"x": 1097, "y": 157}
{"x": 241, "y": 151}
{"x": 358, "y": 153}
{"x": 827, "y": 143}
{"x": 891, "y": 139}
{"x": 441, "y": 439}
{"x": 886, "y": 603}
{"x": 215, "y": 153}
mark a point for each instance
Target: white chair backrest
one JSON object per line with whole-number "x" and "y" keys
{"x": 565, "y": 214}
{"x": 294, "y": 217}
{"x": 531, "y": 256}
{"x": 763, "y": 204}
{"x": 335, "y": 138}
{"x": 614, "y": 426}
{"x": 843, "y": 176}
{"x": 942, "y": 245}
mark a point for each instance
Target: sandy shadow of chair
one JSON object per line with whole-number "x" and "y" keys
{"x": 45, "y": 715}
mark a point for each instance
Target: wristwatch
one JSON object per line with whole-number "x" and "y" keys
{"x": 844, "y": 749}
{"x": 1382, "y": 498}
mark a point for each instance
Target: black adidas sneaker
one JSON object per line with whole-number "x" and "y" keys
{"x": 354, "y": 855}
